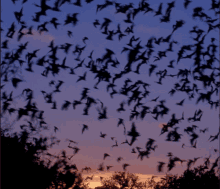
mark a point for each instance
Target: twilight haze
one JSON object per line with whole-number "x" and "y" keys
{"x": 70, "y": 122}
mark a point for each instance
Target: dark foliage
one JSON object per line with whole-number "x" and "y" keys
{"x": 22, "y": 167}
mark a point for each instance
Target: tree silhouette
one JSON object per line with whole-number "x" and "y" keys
{"x": 199, "y": 177}
{"x": 19, "y": 154}
{"x": 121, "y": 180}
{"x": 22, "y": 166}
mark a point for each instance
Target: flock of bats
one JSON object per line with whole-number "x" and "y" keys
{"x": 137, "y": 55}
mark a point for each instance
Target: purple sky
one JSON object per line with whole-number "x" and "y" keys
{"x": 92, "y": 147}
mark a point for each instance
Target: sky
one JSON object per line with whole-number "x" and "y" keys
{"x": 92, "y": 146}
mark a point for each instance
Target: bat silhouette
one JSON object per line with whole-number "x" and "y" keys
{"x": 105, "y": 155}
{"x": 102, "y": 135}
{"x": 186, "y": 3}
{"x": 133, "y": 133}
{"x": 180, "y": 103}
{"x": 84, "y": 128}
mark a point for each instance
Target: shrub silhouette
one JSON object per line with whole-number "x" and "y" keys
{"x": 23, "y": 168}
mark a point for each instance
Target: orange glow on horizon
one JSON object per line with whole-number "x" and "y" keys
{"x": 96, "y": 178}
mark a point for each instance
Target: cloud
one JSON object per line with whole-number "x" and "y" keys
{"x": 43, "y": 37}
{"x": 36, "y": 40}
